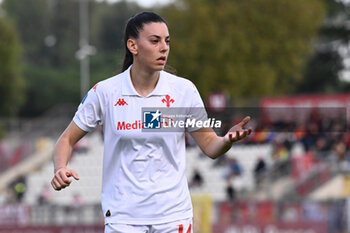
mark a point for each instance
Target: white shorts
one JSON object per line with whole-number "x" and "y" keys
{"x": 180, "y": 226}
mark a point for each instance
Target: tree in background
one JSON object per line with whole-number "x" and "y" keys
{"x": 109, "y": 22}
{"x": 323, "y": 72}
{"x": 11, "y": 81}
{"x": 31, "y": 22}
{"x": 49, "y": 33}
{"x": 248, "y": 48}
{"x": 48, "y": 29}
{"x": 107, "y": 30}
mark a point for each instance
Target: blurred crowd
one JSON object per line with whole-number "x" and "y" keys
{"x": 300, "y": 141}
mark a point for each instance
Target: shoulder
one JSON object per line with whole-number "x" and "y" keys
{"x": 109, "y": 85}
{"x": 179, "y": 82}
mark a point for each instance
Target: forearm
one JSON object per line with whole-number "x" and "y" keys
{"x": 212, "y": 145}
{"x": 62, "y": 153}
{"x": 216, "y": 146}
{"x": 65, "y": 144}
{"x": 61, "y": 156}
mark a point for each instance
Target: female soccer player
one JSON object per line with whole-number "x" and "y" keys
{"x": 144, "y": 187}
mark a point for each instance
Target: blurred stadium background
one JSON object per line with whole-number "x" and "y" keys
{"x": 286, "y": 63}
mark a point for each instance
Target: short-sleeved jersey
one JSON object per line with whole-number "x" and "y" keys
{"x": 144, "y": 178}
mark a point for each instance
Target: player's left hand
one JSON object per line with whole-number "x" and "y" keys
{"x": 238, "y": 132}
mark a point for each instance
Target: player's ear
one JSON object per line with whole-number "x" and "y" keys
{"x": 132, "y": 46}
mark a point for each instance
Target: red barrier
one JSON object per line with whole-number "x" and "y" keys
{"x": 301, "y": 106}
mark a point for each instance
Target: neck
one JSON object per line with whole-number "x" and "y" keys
{"x": 144, "y": 81}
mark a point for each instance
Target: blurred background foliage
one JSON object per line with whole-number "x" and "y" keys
{"x": 247, "y": 49}
{"x": 11, "y": 82}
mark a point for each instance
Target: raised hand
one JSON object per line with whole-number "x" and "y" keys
{"x": 238, "y": 132}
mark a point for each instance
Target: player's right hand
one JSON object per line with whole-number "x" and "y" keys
{"x": 61, "y": 178}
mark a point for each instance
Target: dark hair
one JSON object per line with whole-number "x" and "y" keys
{"x": 132, "y": 29}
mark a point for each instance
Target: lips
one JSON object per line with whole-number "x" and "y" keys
{"x": 162, "y": 58}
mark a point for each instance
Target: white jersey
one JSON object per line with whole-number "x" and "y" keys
{"x": 144, "y": 178}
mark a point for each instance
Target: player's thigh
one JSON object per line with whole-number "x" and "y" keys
{"x": 180, "y": 226}
{"x": 125, "y": 228}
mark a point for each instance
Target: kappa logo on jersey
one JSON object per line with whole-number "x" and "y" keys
{"x": 121, "y": 102}
{"x": 168, "y": 100}
{"x": 151, "y": 119}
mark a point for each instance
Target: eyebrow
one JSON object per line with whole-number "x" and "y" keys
{"x": 159, "y": 37}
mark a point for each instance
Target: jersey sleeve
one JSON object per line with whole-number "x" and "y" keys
{"x": 91, "y": 110}
{"x": 197, "y": 111}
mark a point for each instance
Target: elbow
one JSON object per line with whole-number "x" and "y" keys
{"x": 213, "y": 156}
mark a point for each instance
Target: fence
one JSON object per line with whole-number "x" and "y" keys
{"x": 237, "y": 217}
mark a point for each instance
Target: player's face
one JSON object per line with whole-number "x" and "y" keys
{"x": 153, "y": 46}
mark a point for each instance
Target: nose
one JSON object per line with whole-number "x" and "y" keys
{"x": 164, "y": 47}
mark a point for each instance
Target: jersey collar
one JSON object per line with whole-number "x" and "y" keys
{"x": 162, "y": 87}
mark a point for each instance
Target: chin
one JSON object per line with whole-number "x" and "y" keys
{"x": 159, "y": 68}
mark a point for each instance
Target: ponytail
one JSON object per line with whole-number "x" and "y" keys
{"x": 128, "y": 60}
